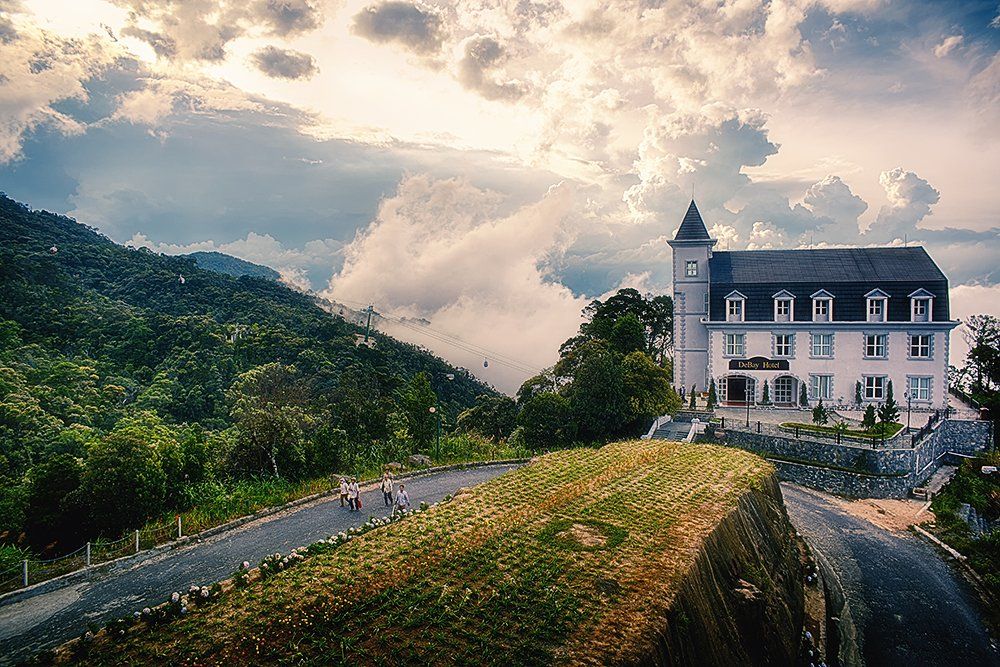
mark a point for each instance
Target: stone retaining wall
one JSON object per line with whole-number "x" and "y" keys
{"x": 873, "y": 473}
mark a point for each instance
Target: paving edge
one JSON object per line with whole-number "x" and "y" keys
{"x": 86, "y": 573}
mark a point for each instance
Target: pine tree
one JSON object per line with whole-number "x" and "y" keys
{"x": 888, "y": 412}
{"x": 820, "y": 413}
{"x": 858, "y": 395}
{"x": 765, "y": 399}
{"x": 868, "y": 421}
{"x": 803, "y": 395}
{"x": 713, "y": 397}
{"x": 692, "y": 403}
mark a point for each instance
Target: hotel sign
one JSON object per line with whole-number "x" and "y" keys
{"x": 758, "y": 364}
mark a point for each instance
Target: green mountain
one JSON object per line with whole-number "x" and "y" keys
{"x": 112, "y": 354}
{"x": 231, "y": 266}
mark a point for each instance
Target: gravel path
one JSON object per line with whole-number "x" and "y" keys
{"x": 49, "y": 619}
{"x": 909, "y": 605}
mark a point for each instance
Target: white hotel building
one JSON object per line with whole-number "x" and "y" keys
{"x": 828, "y": 319}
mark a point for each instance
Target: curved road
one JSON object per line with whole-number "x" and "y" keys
{"x": 45, "y": 620}
{"x": 910, "y": 607}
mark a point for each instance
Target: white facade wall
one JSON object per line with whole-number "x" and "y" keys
{"x": 690, "y": 310}
{"x": 848, "y": 364}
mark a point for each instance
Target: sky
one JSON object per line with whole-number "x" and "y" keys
{"x": 491, "y": 167}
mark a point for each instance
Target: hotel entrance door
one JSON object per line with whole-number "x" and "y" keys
{"x": 739, "y": 390}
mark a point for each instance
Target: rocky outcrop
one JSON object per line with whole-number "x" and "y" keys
{"x": 742, "y": 601}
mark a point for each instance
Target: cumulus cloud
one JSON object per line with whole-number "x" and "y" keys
{"x": 478, "y": 69}
{"x": 832, "y": 198}
{"x": 681, "y": 151}
{"x": 440, "y": 250}
{"x": 289, "y": 17}
{"x": 201, "y": 30}
{"x": 40, "y": 70}
{"x": 160, "y": 96}
{"x": 414, "y": 26}
{"x": 947, "y": 45}
{"x": 766, "y": 236}
{"x": 284, "y": 63}
{"x": 910, "y": 200}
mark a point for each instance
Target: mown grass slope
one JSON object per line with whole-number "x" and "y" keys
{"x": 575, "y": 558}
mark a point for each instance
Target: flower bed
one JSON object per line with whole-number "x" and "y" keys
{"x": 573, "y": 558}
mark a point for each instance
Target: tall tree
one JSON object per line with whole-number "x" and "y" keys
{"x": 268, "y": 408}
{"x": 417, "y": 400}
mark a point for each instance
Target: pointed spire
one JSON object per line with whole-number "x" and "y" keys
{"x": 692, "y": 227}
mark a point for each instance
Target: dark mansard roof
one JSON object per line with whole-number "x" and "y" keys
{"x": 849, "y": 274}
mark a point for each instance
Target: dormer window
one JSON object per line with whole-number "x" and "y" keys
{"x": 784, "y": 306}
{"x": 735, "y": 307}
{"x": 691, "y": 268}
{"x": 822, "y": 306}
{"x": 921, "y": 306}
{"x": 877, "y": 305}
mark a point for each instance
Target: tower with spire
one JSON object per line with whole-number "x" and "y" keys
{"x": 692, "y": 248}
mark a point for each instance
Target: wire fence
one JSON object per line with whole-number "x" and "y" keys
{"x": 11, "y": 579}
{"x": 34, "y": 570}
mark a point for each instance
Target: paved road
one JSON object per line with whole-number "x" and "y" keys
{"x": 51, "y": 618}
{"x": 909, "y": 606}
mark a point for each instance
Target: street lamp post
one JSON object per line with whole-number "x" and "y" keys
{"x": 908, "y": 397}
{"x": 747, "y": 396}
{"x": 437, "y": 448}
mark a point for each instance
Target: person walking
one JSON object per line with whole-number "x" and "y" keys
{"x": 353, "y": 494}
{"x": 343, "y": 491}
{"x": 387, "y": 485}
{"x": 402, "y": 498}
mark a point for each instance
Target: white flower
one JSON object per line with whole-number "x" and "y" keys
{"x": 205, "y": 592}
{"x": 175, "y": 597}
{"x": 277, "y": 555}
{"x": 246, "y": 565}
{"x": 147, "y": 611}
{"x": 137, "y": 614}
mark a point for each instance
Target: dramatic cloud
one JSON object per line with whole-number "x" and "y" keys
{"x": 910, "y": 200}
{"x": 440, "y": 250}
{"x": 289, "y": 17}
{"x": 680, "y": 152}
{"x": 39, "y": 71}
{"x": 778, "y": 117}
{"x": 284, "y": 64}
{"x": 201, "y": 30}
{"x": 483, "y": 55}
{"x": 414, "y": 26}
{"x": 832, "y": 198}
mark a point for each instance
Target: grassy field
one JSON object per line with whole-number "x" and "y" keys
{"x": 574, "y": 558}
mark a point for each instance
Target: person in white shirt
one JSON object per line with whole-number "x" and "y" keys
{"x": 343, "y": 491}
{"x": 352, "y": 495}
{"x": 402, "y": 498}
{"x": 387, "y": 485}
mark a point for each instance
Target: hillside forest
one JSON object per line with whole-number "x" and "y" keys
{"x": 135, "y": 385}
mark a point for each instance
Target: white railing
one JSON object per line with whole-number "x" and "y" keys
{"x": 657, "y": 423}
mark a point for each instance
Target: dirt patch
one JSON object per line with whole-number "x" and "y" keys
{"x": 893, "y": 515}
{"x": 588, "y": 536}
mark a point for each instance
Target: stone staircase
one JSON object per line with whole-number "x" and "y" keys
{"x": 672, "y": 431}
